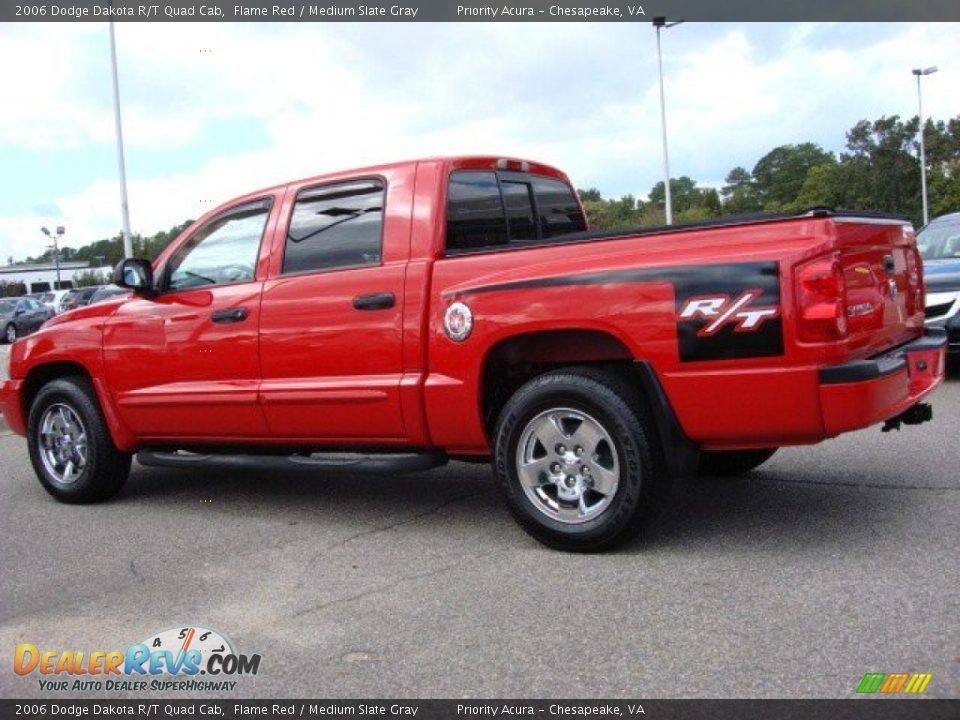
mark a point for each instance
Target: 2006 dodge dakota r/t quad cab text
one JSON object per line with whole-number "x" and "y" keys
{"x": 459, "y": 307}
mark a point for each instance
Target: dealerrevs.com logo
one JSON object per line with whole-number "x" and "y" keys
{"x": 188, "y": 658}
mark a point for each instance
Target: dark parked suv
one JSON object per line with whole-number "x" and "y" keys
{"x": 939, "y": 245}
{"x": 79, "y": 297}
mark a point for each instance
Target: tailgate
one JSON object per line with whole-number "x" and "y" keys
{"x": 884, "y": 290}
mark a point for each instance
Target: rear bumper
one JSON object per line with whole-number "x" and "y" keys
{"x": 861, "y": 393}
{"x": 11, "y": 407}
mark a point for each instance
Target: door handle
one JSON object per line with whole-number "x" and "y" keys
{"x": 374, "y": 301}
{"x": 230, "y": 315}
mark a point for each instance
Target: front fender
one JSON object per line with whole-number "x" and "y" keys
{"x": 67, "y": 347}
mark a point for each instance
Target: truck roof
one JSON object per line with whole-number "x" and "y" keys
{"x": 449, "y": 160}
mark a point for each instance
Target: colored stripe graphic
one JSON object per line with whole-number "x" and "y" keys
{"x": 894, "y": 683}
{"x": 918, "y": 682}
{"x": 871, "y": 682}
{"x": 913, "y": 683}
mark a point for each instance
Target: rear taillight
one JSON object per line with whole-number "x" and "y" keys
{"x": 821, "y": 301}
{"x": 915, "y": 292}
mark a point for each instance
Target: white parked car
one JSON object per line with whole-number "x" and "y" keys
{"x": 54, "y": 300}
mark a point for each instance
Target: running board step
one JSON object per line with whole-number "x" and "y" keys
{"x": 344, "y": 462}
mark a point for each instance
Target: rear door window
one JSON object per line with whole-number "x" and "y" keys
{"x": 487, "y": 209}
{"x": 336, "y": 226}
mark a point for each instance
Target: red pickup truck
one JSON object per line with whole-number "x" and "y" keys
{"x": 460, "y": 308}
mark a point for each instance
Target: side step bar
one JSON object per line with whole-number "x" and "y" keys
{"x": 388, "y": 464}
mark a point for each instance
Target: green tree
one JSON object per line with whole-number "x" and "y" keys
{"x": 12, "y": 289}
{"x": 944, "y": 190}
{"x": 611, "y": 214}
{"x": 779, "y": 175}
{"x": 881, "y": 163}
{"x": 88, "y": 278}
{"x": 684, "y": 194}
{"x": 740, "y": 192}
{"x": 110, "y": 251}
{"x": 711, "y": 203}
{"x": 819, "y": 188}
{"x": 942, "y": 141}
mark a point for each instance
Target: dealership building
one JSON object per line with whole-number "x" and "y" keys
{"x": 42, "y": 277}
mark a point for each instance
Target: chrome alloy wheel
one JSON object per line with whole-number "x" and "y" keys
{"x": 11, "y": 333}
{"x": 62, "y": 440}
{"x": 567, "y": 465}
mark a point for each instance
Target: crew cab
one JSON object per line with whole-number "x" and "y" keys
{"x": 461, "y": 308}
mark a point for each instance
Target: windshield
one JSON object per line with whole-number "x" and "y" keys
{"x": 940, "y": 240}
{"x": 7, "y": 306}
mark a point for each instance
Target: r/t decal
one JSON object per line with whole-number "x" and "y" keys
{"x": 720, "y": 311}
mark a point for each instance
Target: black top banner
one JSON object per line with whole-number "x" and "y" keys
{"x": 486, "y": 709}
{"x": 479, "y": 11}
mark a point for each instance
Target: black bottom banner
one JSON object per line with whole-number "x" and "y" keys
{"x": 859, "y": 709}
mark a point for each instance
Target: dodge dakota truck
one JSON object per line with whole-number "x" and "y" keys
{"x": 393, "y": 317}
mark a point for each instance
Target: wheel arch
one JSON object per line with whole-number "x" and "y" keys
{"x": 40, "y": 375}
{"x": 517, "y": 359}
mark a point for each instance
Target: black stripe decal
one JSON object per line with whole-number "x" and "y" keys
{"x": 697, "y": 338}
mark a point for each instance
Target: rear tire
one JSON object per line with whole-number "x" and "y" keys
{"x": 726, "y": 463}
{"x": 10, "y": 333}
{"x": 576, "y": 462}
{"x": 70, "y": 445}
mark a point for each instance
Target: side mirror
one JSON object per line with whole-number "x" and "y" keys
{"x": 135, "y": 274}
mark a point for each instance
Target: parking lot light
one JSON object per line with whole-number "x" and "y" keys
{"x": 920, "y": 72}
{"x": 660, "y": 22}
{"x": 56, "y": 250}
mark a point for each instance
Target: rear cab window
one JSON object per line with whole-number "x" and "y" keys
{"x": 489, "y": 210}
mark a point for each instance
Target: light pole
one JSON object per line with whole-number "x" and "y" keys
{"x": 923, "y": 157}
{"x": 56, "y": 250}
{"x": 660, "y": 22}
{"x": 124, "y": 207}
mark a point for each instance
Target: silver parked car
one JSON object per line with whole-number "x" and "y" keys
{"x": 54, "y": 299}
{"x": 22, "y": 316}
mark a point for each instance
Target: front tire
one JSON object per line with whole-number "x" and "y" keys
{"x": 727, "y": 463}
{"x": 575, "y": 460}
{"x": 10, "y": 333}
{"x": 70, "y": 445}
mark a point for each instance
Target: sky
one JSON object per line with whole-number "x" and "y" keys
{"x": 211, "y": 111}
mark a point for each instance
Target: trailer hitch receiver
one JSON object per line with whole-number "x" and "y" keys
{"x": 913, "y": 415}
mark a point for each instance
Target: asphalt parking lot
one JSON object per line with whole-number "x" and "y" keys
{"x": 793, "y": 581}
